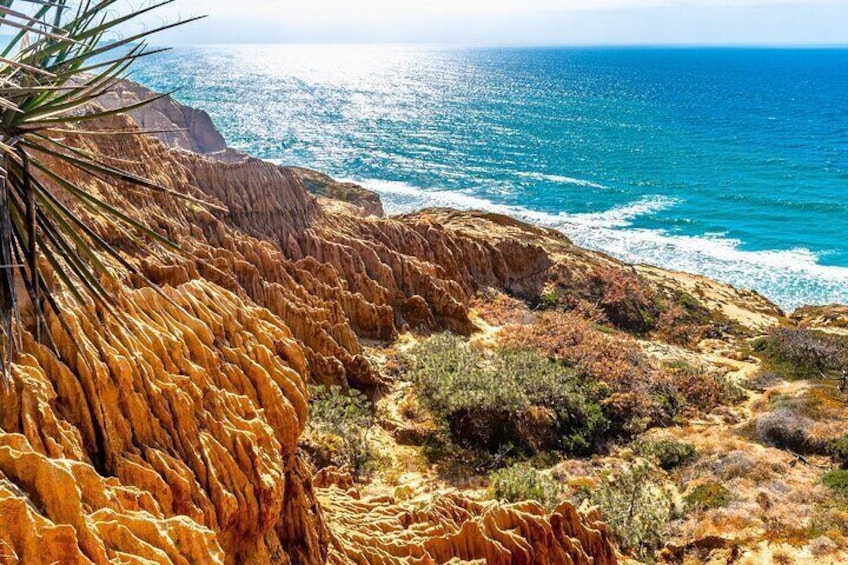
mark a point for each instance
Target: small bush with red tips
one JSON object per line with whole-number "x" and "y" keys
{"x": 619, "y": 296}
{"x": 639, "y": 393}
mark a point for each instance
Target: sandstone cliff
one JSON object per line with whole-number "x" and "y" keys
{"x": 171, "y": 436}
{"x": 174, "y": 124}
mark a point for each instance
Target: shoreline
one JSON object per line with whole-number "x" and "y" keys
{"x": 657, "y": 137}
{"x": 211, "y": 419}
{"x": 608, "y": 233}
{"x": 613, "y": 227}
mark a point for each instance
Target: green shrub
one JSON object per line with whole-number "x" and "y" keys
{"x": 514, "y": 400}
{"x": 838, "y": 450}
{"x": 802, "y": 353}
{"x": 338, "y": 428}
{"x": 522, "y": 482}
{"x": 707, "y": 496}
{"x": 667, "y": 453}
{"x": 636, "y": 505}
{"x": 451, "y": 377}
{"x": 552, "y": 387}
{"x": 517, "y": 401}
{"x": 548, "y": 301}
{"x": 837, "y": 481}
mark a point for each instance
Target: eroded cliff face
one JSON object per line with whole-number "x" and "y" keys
{"x": 452, "y": 527}
{"x": 174, "y": 124}
{"x": 171, "y": 437}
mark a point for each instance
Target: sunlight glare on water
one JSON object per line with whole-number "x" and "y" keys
{"x": 731, "y": 163}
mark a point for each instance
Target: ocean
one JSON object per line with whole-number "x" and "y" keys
{"x": 732, "y": 163}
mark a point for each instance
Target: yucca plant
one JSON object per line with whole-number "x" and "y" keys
{"x": 57, "y": 58}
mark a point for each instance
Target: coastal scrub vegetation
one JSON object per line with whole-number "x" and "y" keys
{"x": 707, "y": 496}
{"x": 636, "y": 503}
{"x": 786, "y": 429}
{"x": 338, "y": 430}
{"x": 837, "y": 482}
{"x": 622, "y": 299}
{"x": 803, "y": 422}
{"x": 521, "y": 482}
{"x": 56, "y": 59}
{"x": 639, "y": 392}
{"x": 556, "y": 406}
{"x": 797, "y": 353}
{"x": 555, "y": 386}
{"x": 667, "y": 453}
{"x": 514, "y": 402}
{"x": 838, "y": 450}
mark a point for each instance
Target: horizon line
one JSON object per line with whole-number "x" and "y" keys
{"x": 761, "y": 45}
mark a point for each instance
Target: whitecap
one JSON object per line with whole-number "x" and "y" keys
{"x": 790, "y": 277}
{"x": 559, "y": 179}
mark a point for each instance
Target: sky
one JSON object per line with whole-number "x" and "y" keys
{"x": 514, "y": 22}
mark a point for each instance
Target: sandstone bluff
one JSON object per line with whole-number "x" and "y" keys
{"x": 172, "y": 438}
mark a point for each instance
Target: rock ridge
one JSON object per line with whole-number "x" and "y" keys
{"x": 172, "y": 437}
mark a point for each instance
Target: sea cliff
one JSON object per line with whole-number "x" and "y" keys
{"x": 176, "y": 436}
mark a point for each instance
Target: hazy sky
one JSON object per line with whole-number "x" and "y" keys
{"x": 515, "y": 22}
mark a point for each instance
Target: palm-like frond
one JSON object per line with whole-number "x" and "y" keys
{"x": 55, "y": 63}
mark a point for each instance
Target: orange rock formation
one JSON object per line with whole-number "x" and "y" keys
{"x": 171, "y": 437}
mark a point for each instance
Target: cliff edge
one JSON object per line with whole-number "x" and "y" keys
{"x": 174, "y": 438}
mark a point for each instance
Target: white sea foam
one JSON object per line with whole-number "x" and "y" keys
{"x": 789, "y": 277}
{"x": 559, "y": 179}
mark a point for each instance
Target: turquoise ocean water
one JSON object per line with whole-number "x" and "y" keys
{"x": 732, "y": 163}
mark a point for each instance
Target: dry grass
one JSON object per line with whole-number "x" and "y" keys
{"x": 752, "y": 466}
{"x": 822, "y": 546}
{"x": 621, "y": 297}
{"x": 498, "y": 309}
{"x": 642, "y": 392}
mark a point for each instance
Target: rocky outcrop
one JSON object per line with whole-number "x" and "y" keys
{"x": 174, "y": 124}
{"x": 169, "y": 434}
{"x": 362, "y": 200}
{"x": 473, "y": 249}
{"x": 831, "y": 317}
{"x": 454, "y": 528}
{"x": 189, "y": 129}
{"x": 334, "y": 278}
